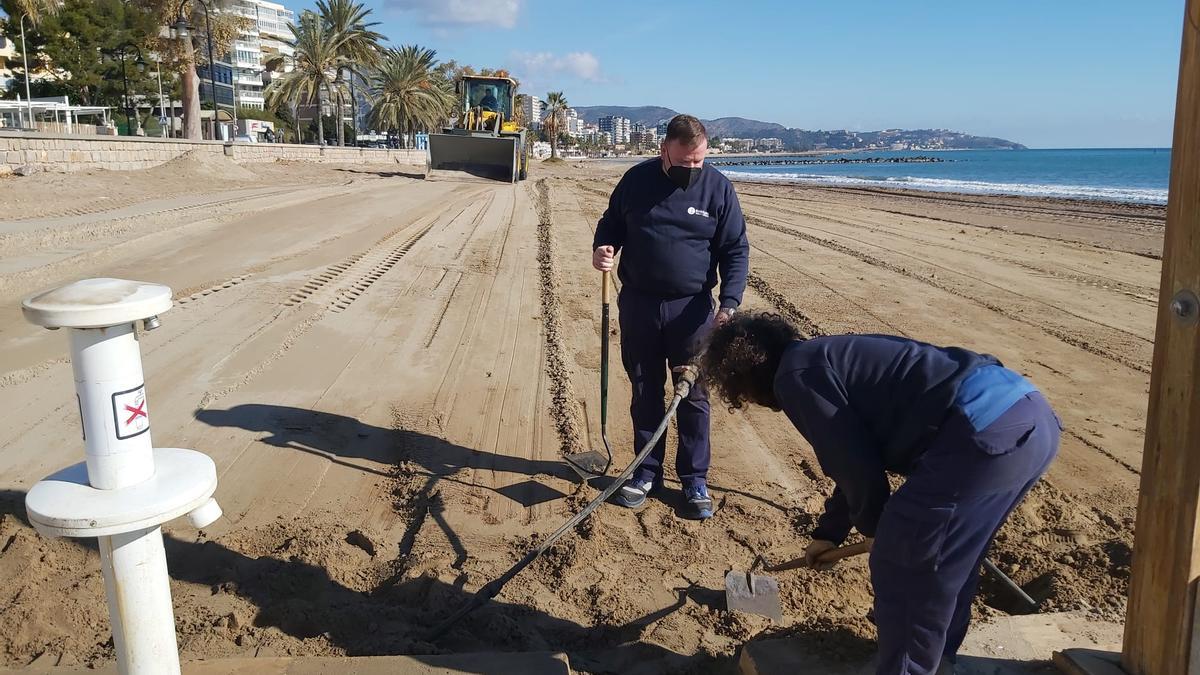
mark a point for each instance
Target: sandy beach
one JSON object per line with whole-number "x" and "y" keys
{"x": 386, "y": 371}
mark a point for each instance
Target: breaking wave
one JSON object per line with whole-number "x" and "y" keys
{"x": 1105, "y": 193}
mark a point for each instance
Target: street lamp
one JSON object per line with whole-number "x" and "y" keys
{"x": 121, "y": 51}
{"x": 183, "y": 31}
{"x": 162, "y": 108}
{"x": 25, "y": 58}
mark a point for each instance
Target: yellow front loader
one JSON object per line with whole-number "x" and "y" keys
{"x": 485, "y": 139}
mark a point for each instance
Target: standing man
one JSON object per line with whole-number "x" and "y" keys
{"x": 677, "y": 224}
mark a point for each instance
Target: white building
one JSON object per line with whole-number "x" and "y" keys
{"x": 618, "y": 128}
{"x": 730, "y": 144}
{"x": 770, "y": 144}
{"x": 533, "y": 108}
{"x": 266, "y": 39}
{"x": 575, "y": 124}
{"x": 8, "y": 59}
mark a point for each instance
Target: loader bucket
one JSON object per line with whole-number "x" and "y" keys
{"x": 482, "y": 156}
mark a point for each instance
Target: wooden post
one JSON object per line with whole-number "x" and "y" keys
{"x": 1166, "y": 559}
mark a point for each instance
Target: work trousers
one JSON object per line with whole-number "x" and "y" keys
{"x": 658, "y": 334}
{"x": 936, "y": 530}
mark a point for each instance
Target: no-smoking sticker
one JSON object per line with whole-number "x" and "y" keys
{"x": 130, "y": 413}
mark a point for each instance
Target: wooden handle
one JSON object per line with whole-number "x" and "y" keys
{"x": 604, "y": 292}
{"x": 832, "y": 555}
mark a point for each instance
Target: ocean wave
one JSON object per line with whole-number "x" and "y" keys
{"x": 1105, "y": 193}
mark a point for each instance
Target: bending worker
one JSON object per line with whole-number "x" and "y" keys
{"x": 971, "y": 436}
{"x": 677, "y": 223}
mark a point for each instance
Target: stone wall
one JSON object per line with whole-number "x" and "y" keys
{"x": 64, "y": 154}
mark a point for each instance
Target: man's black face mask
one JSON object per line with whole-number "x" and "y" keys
{"x": 682, "y": 176}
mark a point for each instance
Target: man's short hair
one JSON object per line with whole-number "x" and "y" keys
{"x": 686, "y": 129}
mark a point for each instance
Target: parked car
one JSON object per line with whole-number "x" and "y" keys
{"x": 244, "y": 139}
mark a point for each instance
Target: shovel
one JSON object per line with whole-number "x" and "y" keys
{"x": 593, "y": 464}
{"x": 759, "y": 593}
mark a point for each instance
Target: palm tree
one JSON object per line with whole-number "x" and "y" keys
{"x": 316, "y": 57}
{"x": 34, "y": 10}
{"x": 556, "y": 108}
{"x": 408, "y": 93}
{"x": 360, "y": 48}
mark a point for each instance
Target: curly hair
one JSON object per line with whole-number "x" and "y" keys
{"x": 740, "y": 358}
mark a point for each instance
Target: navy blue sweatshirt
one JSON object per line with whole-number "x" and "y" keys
{"x": 674, "y": 241}
{"x": 868, "y": 404}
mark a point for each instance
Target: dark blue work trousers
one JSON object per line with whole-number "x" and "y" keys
{"x": 656, "y": 335}
{"x": 936, "y": 530}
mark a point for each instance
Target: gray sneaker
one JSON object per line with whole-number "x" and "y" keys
{"x": 633, "y": 493}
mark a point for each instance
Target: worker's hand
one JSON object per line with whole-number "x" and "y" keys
{"x": 602, "y": 258}
{"x": 812, "y": 554}
{"x": 724, "y": 314}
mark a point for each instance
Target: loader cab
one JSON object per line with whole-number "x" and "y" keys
{"x": 489, "y": 94}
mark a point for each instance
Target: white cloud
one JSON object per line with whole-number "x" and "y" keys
{"x": 445, "y": 13}
{"x": 547, "y": 66}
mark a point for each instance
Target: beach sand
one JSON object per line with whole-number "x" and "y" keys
{"x": 386, "y": 371}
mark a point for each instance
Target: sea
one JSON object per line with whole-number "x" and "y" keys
{"x": 1120, "y": 175}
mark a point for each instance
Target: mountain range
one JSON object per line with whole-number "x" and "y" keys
{"x": 802, "y": 139}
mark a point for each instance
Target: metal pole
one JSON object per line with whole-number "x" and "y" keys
{"x": 354, "y": 107}
{"x": 162, "y": 110}
{"x": 212, "y": 74}
{"x": 125, "y": 80}
{"x": 235, "y": 101}
{"x": 25, "y": 57}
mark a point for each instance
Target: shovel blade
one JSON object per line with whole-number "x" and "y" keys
{"x": 753, "y": 594}
{"x": 588, "y": 465}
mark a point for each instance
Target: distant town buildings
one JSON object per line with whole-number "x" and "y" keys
{"x": 770, "y": 144}
{"x": 618, "y": 128}
{"x": 574, "y": 123}
{"x": 533, "y": 108}
{"x": 239, "y": 75}
{"x": 642, "y": 135}
{"x": 730, "y": 144}
{"x": 265, "y": 39}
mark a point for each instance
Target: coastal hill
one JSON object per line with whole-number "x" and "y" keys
{"x": 802, "y": 139}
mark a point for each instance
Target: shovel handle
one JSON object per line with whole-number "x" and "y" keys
{"x": 604, "y": 340}
{"x": 832, "y": 555}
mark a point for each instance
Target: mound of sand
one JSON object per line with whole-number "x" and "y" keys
{"x": 206, "y": 165}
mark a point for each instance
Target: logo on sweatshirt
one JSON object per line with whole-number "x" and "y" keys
{"x": 693, "y": 211}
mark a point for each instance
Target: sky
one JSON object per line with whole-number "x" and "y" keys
{"x": 1049, "y": 73}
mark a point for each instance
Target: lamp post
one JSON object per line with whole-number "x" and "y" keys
{"x": 162, "y": 109}
{"x": 182, "y": 31}
{"x": 25, "y": 57}
{"x": 121, "y": 51}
